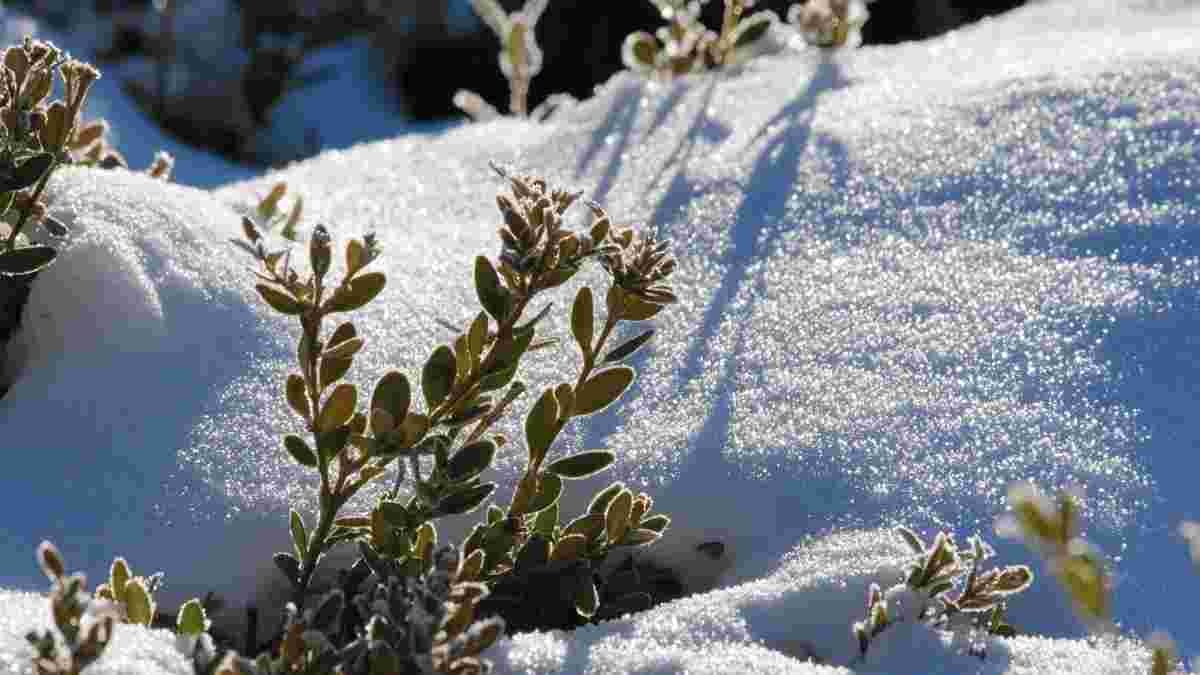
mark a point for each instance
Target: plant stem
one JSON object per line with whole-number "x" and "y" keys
{"x": 519, "y": 95}
{"x": 11, "y": 243}
{"x": 329, "y": 506}
{"x": 733, "y": 14}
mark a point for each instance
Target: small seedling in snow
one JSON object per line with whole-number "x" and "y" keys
{"x": 685, "y": 45}
{"x": 520, "y": 61}
{"x": 829, "y": 23}
{"x": 945, "y": 587}
{"x": 84, "y": 624}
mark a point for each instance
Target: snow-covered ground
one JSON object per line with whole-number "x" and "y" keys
{"x": 910, "y": 276}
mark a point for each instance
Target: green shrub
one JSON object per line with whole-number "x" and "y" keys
{"x": 446, "y": 447}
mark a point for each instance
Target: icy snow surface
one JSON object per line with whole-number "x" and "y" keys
{"x": 909, "y": 276}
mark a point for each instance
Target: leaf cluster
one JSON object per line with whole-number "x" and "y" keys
{"x": 946, "y": 587}
{"x": 685, "y": 45}
{"x": 133, "y": 596}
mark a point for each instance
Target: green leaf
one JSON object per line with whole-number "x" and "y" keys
{"x": 534, "y": 554}
{"x": 541, "y": 425}
{"x": 297, "y": 396}
{"x": 914, "y": 542}
{"x": 343, "y": 349}
{"x": 558, "y": 277}
{"x": 1085, "y": 581}
{"x": 26, "y": 260}
{"x": 413, "y": 429}
{"x": 636, "y": 309}
{"x": 319, "y": 253}
{"x": 588, "y": 526}
{"x": 639, "y": 51}
{"x": 616, "y": 516}
{"x": 582, "y": 465}
{"x": 139, "y": 607}
{"x": 191, "y": 619}
{"x": 437, "y": 377}
{"x": 299, "y": 534}
{"x": 640, "y": 537}
{"x": 549, "y": 490}
{"x": 508, "y": 358}
{"x": 299, "y": 450}
{"x": 583, "y": 320}
{"x": 570, "y": 547}
{"x": 493, "y": 15}
{"x": 394, "y": 513}
{"x": 470, "y": 461}
{"x": 280, "y": 301}
{"x": 753, "y": 27}
{"x": 355, "y": 254}
{"x": 393, "y": 394}
{"x": 118, "y": 576}
{"x": 492, "y": 296}
{"x": 358, "y": 292}
{"x": 477, "y": 335}
{"x": 546, "y": 520}
{"x": 497, "y": 379}
{"x": 464, "y": 501}
{"x": 600, "y": 502}
{"x": 329, "y": 443}
{"x": 587, "y": 600}
{"x": 657, "y": 523}
{"x": 627, "y": 348}
{"x": 332, "y": 370}
{"x": 602, "y": 389}
{"x": 287, "y": 563}
{"x": 28, "y": 173}
{"x": 495, "y": 514}
{"x": 338, "y": 408}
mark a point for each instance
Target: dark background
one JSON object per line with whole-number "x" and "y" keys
{"x": 582, "y": 39}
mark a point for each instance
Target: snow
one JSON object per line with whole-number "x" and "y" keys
{"x": 909, "y": 276}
